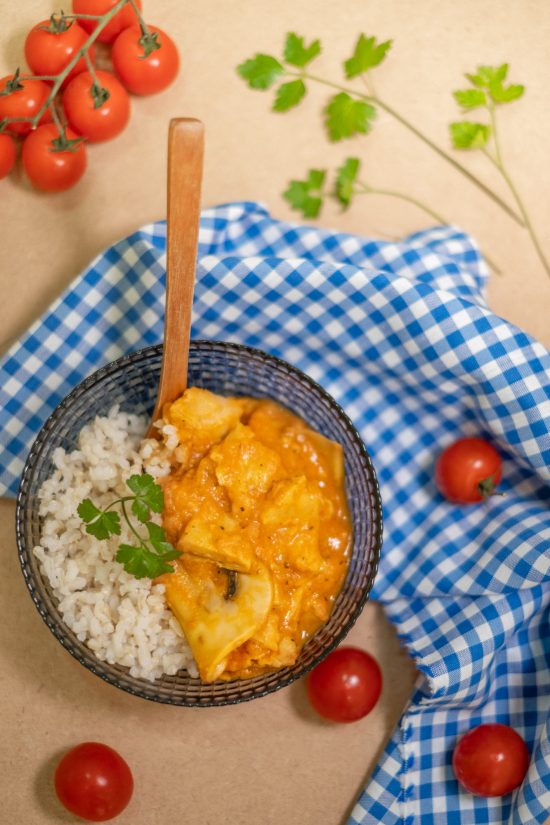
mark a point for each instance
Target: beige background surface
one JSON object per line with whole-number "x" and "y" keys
{"x": 268, "y": 761}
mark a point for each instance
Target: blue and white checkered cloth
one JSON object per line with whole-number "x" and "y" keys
{"x": 400, "y": 335}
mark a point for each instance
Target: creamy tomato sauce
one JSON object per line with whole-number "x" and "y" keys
{"x": 256, "y": 504}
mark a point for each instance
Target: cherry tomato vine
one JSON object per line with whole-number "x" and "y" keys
{"x": 65, "y": 102}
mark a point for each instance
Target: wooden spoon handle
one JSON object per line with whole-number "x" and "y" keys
{"x": 185, "y": 163}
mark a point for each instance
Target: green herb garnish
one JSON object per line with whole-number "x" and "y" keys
{"x": 351, "y": 111}
{"x": 307, "y": 195}
{"x": 149, "y": 556}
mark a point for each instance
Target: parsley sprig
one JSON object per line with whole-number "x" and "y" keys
{"x": 352, "y": 112}
{"x": 307, "y": 195}
{"x": 148, "y": 557}
{"x": 488, "y": 92}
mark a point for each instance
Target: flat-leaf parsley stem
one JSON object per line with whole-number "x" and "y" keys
{"x": 376, "y": 100}
{"x": 153, "y": 553}
{"x": 498, "y": 162}
{"x": 364, "y": 189}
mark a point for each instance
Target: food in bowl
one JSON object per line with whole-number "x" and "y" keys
{"x": 257, "y": 506}
{"x": 254, "y": 501}
{"x": 122, "y": 619}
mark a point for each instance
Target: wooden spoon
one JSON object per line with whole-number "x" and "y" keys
{"x": 185, "y": 162}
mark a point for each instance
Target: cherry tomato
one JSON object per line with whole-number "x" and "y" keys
{"x": 468, "y": 470}
{"x": 94, "y": 782}
{"x": 122, "y": 19}
{"x": 48, "y": 169}
{"x": 102, "y": 121}
{"x": 142, "y": 73}
{"x": 26, "y": 100}
{"x": 346, "y": 685}
{"x": 491, "y": 760}
{"x": 8, "y": 154}
{"x": 48, "y": 51}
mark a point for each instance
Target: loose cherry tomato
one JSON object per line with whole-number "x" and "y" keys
{"x": 94, "y": 782}
{"x": 346, "y": 685}
{"x": 51, "y": 44}
{"x": 20, "y": 97}
{"x": 98, "y": 113}
{"x": 49, "y": 166}
{"x": 122, "y": 19}
{"x": 145, "y": 63}
{"x": 491, "y": 760}
{"x": 468, "y": 470}
{"x": 8, "y": 154}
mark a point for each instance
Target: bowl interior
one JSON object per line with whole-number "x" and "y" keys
{"x": 227, "y": 369}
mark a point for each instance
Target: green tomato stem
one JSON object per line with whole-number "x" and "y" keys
{"x": 5, "y": 131}
{"x": 90, "y": 66}
{"x": 143, "y": 25}
{"x": 8, "y": 120}
{"x": 83, "y": 16}
{"x": 56, "y": 119}
{"x": 98, "y": 93}
{"x": 40, "y": 77}
{"x": 376, "y": 100}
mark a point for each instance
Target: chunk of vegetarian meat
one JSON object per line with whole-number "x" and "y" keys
{"x": 246, "y": 468}
{"x": 203, "y": 418}
{"x": 290, "y": 515}
{"x": 253, "y": 657}
{"x": 217, "y": 536}
{"x": 302, "y": 450}
{"x": 186, "y": 493}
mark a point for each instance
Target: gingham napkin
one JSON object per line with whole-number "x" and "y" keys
{"x": 400, "y": 334}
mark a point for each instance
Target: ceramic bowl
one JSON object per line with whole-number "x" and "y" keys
{"x": 227, "y": 369}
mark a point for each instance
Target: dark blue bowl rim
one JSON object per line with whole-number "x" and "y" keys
{"x": 56, "y": 625}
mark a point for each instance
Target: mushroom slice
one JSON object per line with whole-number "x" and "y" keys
{"x": 214, "y": 625}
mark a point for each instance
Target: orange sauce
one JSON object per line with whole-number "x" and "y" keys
{"x": 258, "y": 502}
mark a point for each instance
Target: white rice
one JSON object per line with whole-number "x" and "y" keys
{"x": 123, "y": 620}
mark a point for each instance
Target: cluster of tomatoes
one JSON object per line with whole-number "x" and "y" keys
{"x": 94, "y": 782}
{"x": 65, "y": 101}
